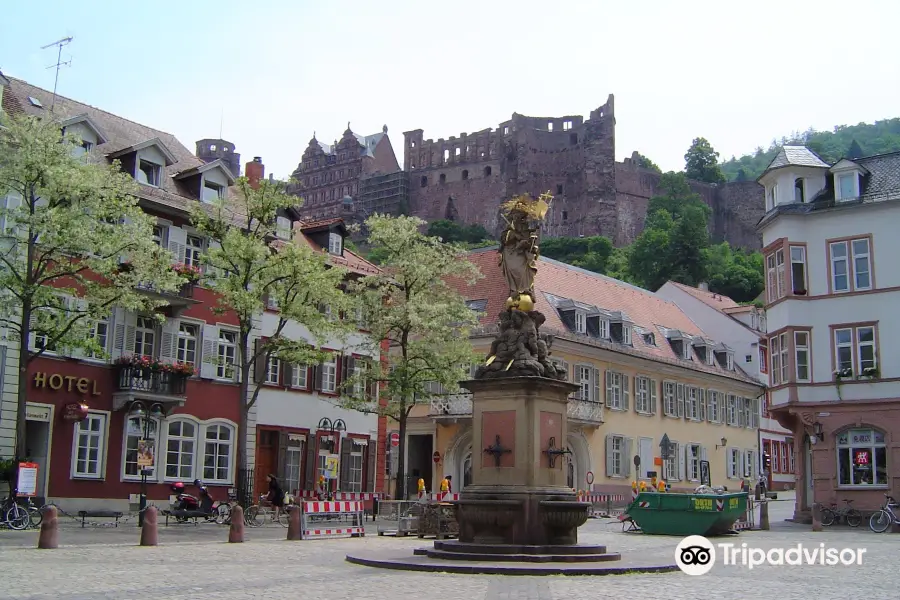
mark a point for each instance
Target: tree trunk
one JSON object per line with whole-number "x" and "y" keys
{"x": 401, "y": 455}
{"x": 244, "y": 482}
{"x": 21, "y": 396}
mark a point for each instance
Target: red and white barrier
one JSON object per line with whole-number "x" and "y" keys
{"x": 314, "y": 517}
{"x": 597, "y": 498}
{"x": 361, "y": 496}
{"x": 444, "y": 496}
{"x": 351, "y": 531}
{"x": 319, "y": 507}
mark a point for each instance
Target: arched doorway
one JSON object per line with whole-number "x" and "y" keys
{"x": 570, "y": 468}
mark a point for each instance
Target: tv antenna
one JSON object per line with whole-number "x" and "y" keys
{"x": 59, "y": 63}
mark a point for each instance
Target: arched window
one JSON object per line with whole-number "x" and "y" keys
{"x": 465, "y": 174}
{"x": 217, "y": 452}
{"x": 862, "y": 458}
{"x": 424, "y": 181}
{"x": 487, "y": 171}
{"x": 181, "y": 444}
{"x": 798, "y": 190}
{"x": 443, "y": 178}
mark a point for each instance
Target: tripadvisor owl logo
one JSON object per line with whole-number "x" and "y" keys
{"x": 695, "y": 555}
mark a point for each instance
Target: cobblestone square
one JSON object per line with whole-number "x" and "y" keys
{"x": 196, "y": 563}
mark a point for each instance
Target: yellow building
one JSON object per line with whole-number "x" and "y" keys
{"x": 645, "y": 370}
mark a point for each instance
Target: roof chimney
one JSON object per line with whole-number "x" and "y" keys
{"x": 703, "y": 287}
{"x": 255, "y": 171}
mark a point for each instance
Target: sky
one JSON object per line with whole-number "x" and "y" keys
{"x": 270, "y": 73}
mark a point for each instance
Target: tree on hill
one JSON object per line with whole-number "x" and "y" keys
{"x": 733, "y": 272}
{"x": 701, "y": 162}
{"x": 854, "y": 151}
{"x": 646, "y": 163}
{"x": 69, "y": 228}
{"x": 452, "y": 232}
{"x": 591, "y": 253}
{"x": 741, "y": 175}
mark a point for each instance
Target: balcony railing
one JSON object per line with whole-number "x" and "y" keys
{"x": 185, "y": 291}
{"x": 585, "y": 411}
{"x": 460, "y": 405}
{"x": 135, "y": 379}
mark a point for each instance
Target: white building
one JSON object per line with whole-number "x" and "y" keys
{"x": 743, "y": 328}
{"x": 832, "y": 312}
{"x": 298, "y": 421}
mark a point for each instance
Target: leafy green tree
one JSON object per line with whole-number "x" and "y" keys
{"x": 646, "y": 163}
{"x": 68, "y": 223}
{"x": 741, "y": 175}
{"x": 701, "y": 162}
{"x": 591, "y": 253}
{"x": 451, "y": 231}
{"x": 248, "y": 266}
{"x": 734, "y": 272}
{"x": 422, "y": 319}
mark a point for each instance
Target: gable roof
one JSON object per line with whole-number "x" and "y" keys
{"x": 87, "y": 120}
{"x": 556, "y": 280}
{"x": 214, "y": 164}
{"x": 717, "y": 301}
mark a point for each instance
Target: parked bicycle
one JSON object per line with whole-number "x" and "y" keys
{"x": 833, "y": 515}
{"x": 885, "y": 517}
{"x": 14, "y": 515}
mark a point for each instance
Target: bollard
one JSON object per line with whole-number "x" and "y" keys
{"x": 764, "y": 515}
{"x": 48, "y": 539}
{"x": 294, "y": 531}
{"x": 816, "y": 518}
{"x": 236, "y": 531}
{"x": 149, "y": 532}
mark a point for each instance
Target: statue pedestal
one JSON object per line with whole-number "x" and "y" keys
{"x": 518, "y": 494}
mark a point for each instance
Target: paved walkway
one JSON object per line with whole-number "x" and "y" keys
{"x": 194, "y": 563}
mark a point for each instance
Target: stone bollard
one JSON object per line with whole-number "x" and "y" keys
{"x": 150, "y": 532}
{"x": 294, "y": 531}
{"x": 236, "y": 531}
{"x": 48, "y": 539}
{"x": 764, "y": 515}
{"x": 816, "y": 518}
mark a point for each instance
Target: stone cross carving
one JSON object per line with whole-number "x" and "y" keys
{"x": 497, "y": 450}
{"x": 553, "y": 452}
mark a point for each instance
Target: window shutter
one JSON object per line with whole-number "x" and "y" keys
{"x": 260, "y": 364}
{"x": 371, "y": 465}
{"x": 754, "y": 415}
{"x": 610, "y": 399}
{"x": 577, "y": 381}
{"x": 626, "y": 391}
{"x": 124, "y": 332}
{"x": 350, "y": 370}
{"x": 309, "y": 481}
{"x": 704, "y": 457}
{"x": 679, "y": 398}
{"x": 563, "y": 363}
{"x": 340, "y": 371}
{"x": 209, "y": 356}
{"x": 730, "y": 466}
{"x": 627, "y": 459}
{"x": 610, "y": 467}
{"x": 317, "y": 377}
{"x": 346, "y": 447}
{"x": 653, "y": 399}
{"x": 168, "y": 344}
{"x": 177, "y": 243}
{"x": 680, "y": 461}
{"x": 282, "y": 459}
{"x": 702, "y": 402}
{"x": 739, "y": 409}
{"x": 595, "y": 385}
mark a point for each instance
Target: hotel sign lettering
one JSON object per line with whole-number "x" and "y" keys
{"x": 69, "y": 383}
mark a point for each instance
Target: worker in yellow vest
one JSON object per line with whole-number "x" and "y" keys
{"x": 445, "y": 487}
{"x": 421, "y": 487}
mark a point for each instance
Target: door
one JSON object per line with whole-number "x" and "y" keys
{"x": 38, "y": 435}
{"x": 266, "y": 460}
{"x": 645, "y": 451}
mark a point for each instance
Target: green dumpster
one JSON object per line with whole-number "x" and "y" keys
{"x": 687, "y": 514}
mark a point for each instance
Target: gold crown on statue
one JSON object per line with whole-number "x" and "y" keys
{"x": 534, "y": 208}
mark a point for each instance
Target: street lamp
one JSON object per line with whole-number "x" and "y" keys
{"x": 139, "y": 411}
{"x": 332, "y": 427}
{"x": 818, "y": 430}
{"x": 723, "y": 444}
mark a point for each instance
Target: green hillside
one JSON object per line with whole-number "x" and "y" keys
{"x": 876, "y": 138}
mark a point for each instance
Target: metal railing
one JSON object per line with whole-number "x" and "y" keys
{"x": 185, "y": 291}
{"x": 155, "y": 382}
{"x": 460, "y": 405}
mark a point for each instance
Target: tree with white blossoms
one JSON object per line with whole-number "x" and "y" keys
{"x": 248, "y": 266}
{"x": 412, "y": 307}
{"x": 68, "y": 221}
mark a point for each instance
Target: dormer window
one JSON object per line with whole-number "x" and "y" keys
{"x": 702, "y": 353}
{"x": 686, "y": 349}
{"x": 580, "y": 322}
{"x": 212, "y": 191}
{"x": 799, "y": 195}
{"x": 283, "y": 227}
{"x": 725, "y": 358}
{"x": 771, "y": 197}
{"x": 598, "y": 327}
{"x": 649, "y": 339}
{"x": 335, "y": 244}
{"x": 148, "y": 173}
{"x": 846, "y": 186}
{"x": 620, "y": 331}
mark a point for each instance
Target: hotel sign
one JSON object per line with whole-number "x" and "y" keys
{"x": 69, "y": 383}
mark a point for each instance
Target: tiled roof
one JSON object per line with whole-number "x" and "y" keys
{"x": 800, "y": 156}
{"x": 717, "y": 301}
{"x": 320, "y": 223}
{"x": 645, "y": 309}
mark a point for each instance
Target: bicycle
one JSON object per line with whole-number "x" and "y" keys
{"x": 257, "y": 515}
{"x": 885, "y": 517}
{"x": 15, "y": 516}
{"x": 833, "y": 515}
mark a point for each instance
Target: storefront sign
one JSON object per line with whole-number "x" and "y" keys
{"x": 75, "y": 412}
{"x": 69, "y": 383}
{"x": 146, "y": 451}
{"x": 28, "y": 474}
{"x": 862, "y": 458}
{"x": 34, "y": 412}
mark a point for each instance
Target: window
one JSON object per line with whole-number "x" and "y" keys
{"x": 618, "y": 452}
{"x": 506, "y": 131}
{"x": 193, "y": 250}
{"x": 617, "y": 391}
{"x": 735, "y": 463}
{"x": 217, "y": 453}
{"x": 329, "y": 375}
{"x": 670, "y": 404}
{"x": 159, "y": 235}
{"x": 673, "y": 464}
{"x": 487, "y": 171}
{"x": 212, "y": 191}
{"x": 693, "y": 403}
{"x": 843, "y": 348}
{"x": 148, "y": 173}
{"x": 801, "y": 352}
{"x": 763, "y": 360}
{"x": 90, "y": 447}
{"x": 751, "y": 408}
{"x": 693, "y": 457}
{"x": 335, "y": 243}
{"x": 134, "y": 432}
{"x": 465, "y": 174}
{"x": 355, "y": 469}
{"x": 771, "y": 197}
{"x": 298, "y": 376}
{"x": 187, "y": 343}
{"x": 847, "y": 186}
{"x": 798, "y": 270}
{"x": 626, "y": 334}
{"x": 751, "y": 465}
{"x": 798, "y": 190}
{"x": 580, "y": 321}
{"x": 567, "y": 125}
{"x": 227, "y": 347}
{"x": 862, "y": 276}
{"x": 783, "y": 349}
{"x": 645, "y": 395}
{"x": 731, "y": 416}
{"x": 424, "y": 181}
{"x": 714, "y": 409}
{"x": 775, "y": 288}
{"x": 273, "y": 371}
{"x": 144, "y": 336}
{"x": 293, "y": 463}
{"x": 442, "y": 178}
{"x": 180, "y": 447}
{"x": 100, "y": 335}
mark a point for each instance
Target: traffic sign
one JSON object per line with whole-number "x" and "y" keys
{"x": 436, "y": 457}
{"x": 590, "y": 477}
{"x": 395, "y": 439}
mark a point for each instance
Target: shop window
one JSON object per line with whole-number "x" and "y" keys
{"x": 862, "y": 458}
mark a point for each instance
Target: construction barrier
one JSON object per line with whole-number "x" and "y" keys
{"x": 443, "y": 496}
{"x": 602, "y": 504}
{"x": 320, "y": 519}
{"x": 399, "y": 517}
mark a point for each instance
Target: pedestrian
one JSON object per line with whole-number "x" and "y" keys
{"x": 276, "y": 495}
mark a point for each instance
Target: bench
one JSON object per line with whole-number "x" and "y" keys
{"x": 84, "y": 514}
{"x": 185, "y": 514}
